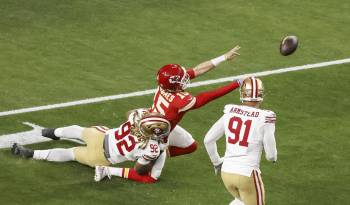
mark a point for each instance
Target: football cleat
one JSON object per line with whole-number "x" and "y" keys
{"x": 101, "y": 172}
{"x": 22, "y": 151}
{"x": 49, "y": 133}
{"x": 173, "y": 78}
{"x": 252, "y": 90}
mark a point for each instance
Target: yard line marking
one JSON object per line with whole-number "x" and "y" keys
{"x": 151, "y": 91}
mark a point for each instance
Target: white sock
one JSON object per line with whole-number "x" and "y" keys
{"x": 54, "y": 155}
{"x": 73, "y": 132}
{"x": 115, "y": 171}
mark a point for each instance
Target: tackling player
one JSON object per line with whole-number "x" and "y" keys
{"x": 173, "y": 102}
{"x": 135, "y": 140}
{"x": 248, "y": 131}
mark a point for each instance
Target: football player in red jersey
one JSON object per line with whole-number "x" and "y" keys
{"x": 173, "y": 101}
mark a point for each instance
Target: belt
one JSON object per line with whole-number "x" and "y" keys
{"x": 106, "y": 147}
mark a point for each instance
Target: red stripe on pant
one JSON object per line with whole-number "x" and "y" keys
{"x": 101, "y": 129}
{"x": 262, "y": 193}
{"x": 257, "y": 188}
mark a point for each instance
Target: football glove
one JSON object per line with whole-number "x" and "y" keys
{"x": 240, "y": 81}
{"x": 102, "y": 172}
{"x": 217, "y": 167}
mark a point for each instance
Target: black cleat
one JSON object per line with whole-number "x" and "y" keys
{"x": 22, "y": 151}
{"x": 49, "y": 133}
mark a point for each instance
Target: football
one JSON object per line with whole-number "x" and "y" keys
{"x": 143, "y": 169}
{"x": 288, "y": 45}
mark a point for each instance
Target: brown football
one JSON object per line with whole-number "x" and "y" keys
{"x": 288, "y": 45}
{"x": 143, "y": 169}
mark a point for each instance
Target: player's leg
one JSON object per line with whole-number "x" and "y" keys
{"x": 72, "y": 132}
{"x": 251, "y": 189}
{"x": 93, "y": 153}
{"x": 230, "y": 182}
{"x": 54, "y": 155}
{"x": 262, "y": 186}
{"x": 181, "y": 142}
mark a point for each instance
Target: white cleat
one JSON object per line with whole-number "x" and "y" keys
{"x": 101, "y": 172}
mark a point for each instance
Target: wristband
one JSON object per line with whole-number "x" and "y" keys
{"x": 218, "y": 60}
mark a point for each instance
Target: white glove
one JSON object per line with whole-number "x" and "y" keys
{"x": 240, "y": 81}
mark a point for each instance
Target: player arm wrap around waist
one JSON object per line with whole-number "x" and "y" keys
{"x": 206, "y": 97}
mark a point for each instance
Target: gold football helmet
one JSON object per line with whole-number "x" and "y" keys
{"x": 134, "y": 116}
{"x": 154, "y": 126}
{"x": 252, "y": 90}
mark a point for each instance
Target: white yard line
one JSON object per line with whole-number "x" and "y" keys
{"x": 151, "y": 91}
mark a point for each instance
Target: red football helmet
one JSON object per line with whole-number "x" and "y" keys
{"x": 173, "y": 78}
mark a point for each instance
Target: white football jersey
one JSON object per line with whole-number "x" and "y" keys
{"x": 123, "y": 146}
{"x": 248, "y": 131}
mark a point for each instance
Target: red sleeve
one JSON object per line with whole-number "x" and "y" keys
{"x": 133, "y": 175}
{"x": 190, "y": 72}
{"x": 206, "y": 97}
{"x": 184, "y": 101}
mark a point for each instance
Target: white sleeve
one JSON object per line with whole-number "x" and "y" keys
{"x": 150, "y": 153}
{"x": 214, "y": 134}
{"x": 158, "y": 166}
{"x": 270, "y": 142}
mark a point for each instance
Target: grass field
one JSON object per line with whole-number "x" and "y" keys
{"x": 59, "y": 51}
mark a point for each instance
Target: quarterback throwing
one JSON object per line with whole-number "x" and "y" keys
{"x": 248, "y": 131}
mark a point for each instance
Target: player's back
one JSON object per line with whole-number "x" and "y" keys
{"x": 244, "y": 129}
{"x": 172, "y": 105}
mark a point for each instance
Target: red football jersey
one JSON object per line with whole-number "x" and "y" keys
{"x": 172, "y": 105}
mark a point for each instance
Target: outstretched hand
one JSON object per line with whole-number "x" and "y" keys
{"x": 232, "y": 53}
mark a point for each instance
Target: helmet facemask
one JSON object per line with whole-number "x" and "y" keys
{"x": 185, "y": 81}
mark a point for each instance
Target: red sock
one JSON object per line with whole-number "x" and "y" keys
{"x": 177, "y": 151}
{"x": 130, "y": 173}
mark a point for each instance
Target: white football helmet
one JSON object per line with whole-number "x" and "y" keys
{"x": 252, "y": 90}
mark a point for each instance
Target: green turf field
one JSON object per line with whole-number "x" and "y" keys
{"x": 59, "y": 51}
